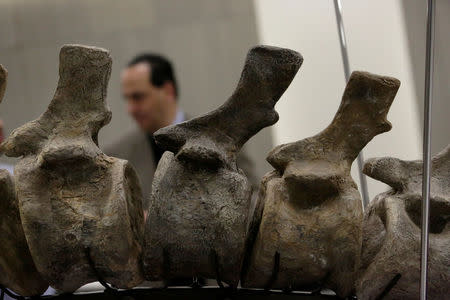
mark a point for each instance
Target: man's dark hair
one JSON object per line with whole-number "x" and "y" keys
{"x": 161, "y": 69}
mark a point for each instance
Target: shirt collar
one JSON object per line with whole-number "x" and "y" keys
{"x": 179, "y": 117}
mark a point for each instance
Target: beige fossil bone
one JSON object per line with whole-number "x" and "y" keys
{"x": 17, "y": 270}
{"x": 390, "y": 262}
{"x": 307, "y": 225}
{"x": 199, "y": 207}
{"x": 81, "y": 210}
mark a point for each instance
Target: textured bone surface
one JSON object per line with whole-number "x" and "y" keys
{"x": 17, "y": 269}
{"x": 199, "y": 207}
{"x": 81, "y": 210}
{"x": 307, "y": 225}
{"x": 390, "y": 261}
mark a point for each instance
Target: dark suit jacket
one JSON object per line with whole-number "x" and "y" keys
{"x": 136, "y": 148}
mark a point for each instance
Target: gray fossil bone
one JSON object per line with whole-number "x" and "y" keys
{"x": 307, "y": 227}
{"x": 81, "y": 210}
{"x": 199, "y": 207}
{"x": 390, "y": 262}
{"x": 17, "y": 270}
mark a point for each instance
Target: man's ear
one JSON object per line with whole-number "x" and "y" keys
{"x": 169, "y": 89}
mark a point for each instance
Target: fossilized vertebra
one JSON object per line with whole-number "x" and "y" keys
{"x": 390, "y": 262}
{"x": 17, "y": 269}
{"x": 81, "y": 210}
{"x": 308, "y": 218}
{"x": 199, "y": 207}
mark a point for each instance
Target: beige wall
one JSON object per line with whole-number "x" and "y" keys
{"x": 415, "y": 19}
{"x": 206, "y": 39}
{"x": 377, "y": 43}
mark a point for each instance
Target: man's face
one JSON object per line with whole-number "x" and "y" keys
{"x": 146, "y": 103}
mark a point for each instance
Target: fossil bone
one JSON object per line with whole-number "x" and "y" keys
{"x": 199, "y": 211}
{"x": 307, "y": 225}
{"x": 17, "y": 269}
{"x": 81, "y": 210}
{"x": 390, "y": 262}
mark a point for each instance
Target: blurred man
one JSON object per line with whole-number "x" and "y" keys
{"x": 150, "y": 90}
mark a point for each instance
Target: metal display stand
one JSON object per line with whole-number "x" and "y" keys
{"x": 178, "y": 293}
{"x": 428, "y": 96}
{"x": 206, "y": 293}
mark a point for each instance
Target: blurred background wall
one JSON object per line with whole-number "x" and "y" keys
{"x": 385, "y": 37}
{"x": 415, "y": 19}
{"x": 208, "y": 40}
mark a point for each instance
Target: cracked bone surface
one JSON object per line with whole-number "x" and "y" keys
{"x": 392, "y": 230}
{"x": 81, "y": 210}
{"x": 17, "y": 269}
{"x": 306, "y": 230}
{"x": 199, "y": 207}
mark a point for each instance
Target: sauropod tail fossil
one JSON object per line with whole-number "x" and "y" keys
{"x": 81, "y": 210}
{"x": 199, "y": 207}
{"x": 307, "y": 227}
